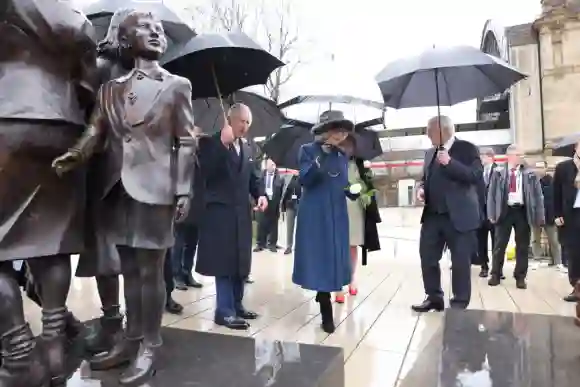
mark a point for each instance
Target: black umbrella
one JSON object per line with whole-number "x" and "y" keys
{"x": 266, "y": 117}
{"x": 176, "y": 28}
{"x": 565, "y": 146}
{"x": 218, "y": 65}
{"x": 283, "y": 146}
{"x": 367, "y": 143}
{"x": 445, "y": 77}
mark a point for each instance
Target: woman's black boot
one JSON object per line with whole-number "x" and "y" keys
{"x": 323, "y": 298}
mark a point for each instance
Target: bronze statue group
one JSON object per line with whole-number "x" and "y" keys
{"x": 90, "y": 164}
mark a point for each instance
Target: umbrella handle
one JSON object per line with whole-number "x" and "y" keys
{"x": 217, "y": 88}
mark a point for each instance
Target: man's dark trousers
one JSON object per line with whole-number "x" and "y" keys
{"x": 229, "y": 296}
{"x": 268, "y": 226}
{"x": 436, "y": 232}
{"x": 183, "y": 252}
{"x": 168, "y": 275}
{"x": 514, "y": 218}
{"x": 486, "y": 230}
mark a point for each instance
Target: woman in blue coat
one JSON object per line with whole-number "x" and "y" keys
{"x": 321, "y": 259}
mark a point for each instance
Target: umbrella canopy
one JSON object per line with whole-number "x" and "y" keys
{"x": 284, "y": 145}
{"x": 565, "y": 146}
{"x": 309, "y": 107}
{"x": 343, "y": 99}
{"x": 176, "y": 28}
{"x": 444, "y": 77}
{"x": 233, "y": 61}
{"x": 266, "y": 117}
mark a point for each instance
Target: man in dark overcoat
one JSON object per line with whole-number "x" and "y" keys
{"x": 225, "y": 229}
{"x": 567, "y": 215}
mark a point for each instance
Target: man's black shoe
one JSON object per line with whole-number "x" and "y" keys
{"x": 192, "y": 283}
{"x": 429, "y": 305}
{"x": 173, "y": 307}
{"x": 484, "y": 272}
{"x": 521, "y": 283}
{"x": 247, "y": 315}
{"x": 232, "y": 322}
{"x": 257, "y": 249}
{"x": 180, "y": 284}
{"x": 571, "y": 297}
{"x": 273, "y": 249}
{"x": 493, "y": 281}
{"x": 288, "y": 251}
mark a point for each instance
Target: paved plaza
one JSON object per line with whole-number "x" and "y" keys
{"x": 383, "y": 339}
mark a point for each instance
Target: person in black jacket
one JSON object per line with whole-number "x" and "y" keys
{"x": 273, "y": 185}
{"x": 567, "y": 215}
{"x": 549, "y": 227}
{"x": 186, "y": 237}
{"x": 290, "y": 203}
{"x": 487, "y": 229}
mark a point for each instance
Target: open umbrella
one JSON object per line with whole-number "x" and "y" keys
{"x": 565, "y": 146}
{"x": 217, "y": 65}
{"x": 355, "y": 108}
{"x": 283, "y": 146}
{"x": 266, "y": 117}
{"x": 176, "y": 28}
{"x": 330, "y": 99}
{"x": 445, "y": 77}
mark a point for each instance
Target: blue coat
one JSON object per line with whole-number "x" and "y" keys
{"x": 321, "y": 258}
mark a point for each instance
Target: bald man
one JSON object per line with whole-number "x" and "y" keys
{"x": 230, "y": 175}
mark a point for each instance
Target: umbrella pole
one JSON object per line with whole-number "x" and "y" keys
{"x": 438, "y": 107}
{"x": 217, "y": 88}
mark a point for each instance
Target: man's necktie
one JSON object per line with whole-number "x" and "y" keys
{"x": 513, "y": 181}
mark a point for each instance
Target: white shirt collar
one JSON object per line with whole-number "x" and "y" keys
{"x": 449, "y": 143}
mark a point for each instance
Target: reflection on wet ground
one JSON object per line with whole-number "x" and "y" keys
{"x": 385, "y": 344}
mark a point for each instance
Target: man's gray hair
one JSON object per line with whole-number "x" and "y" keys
{"x": 447, "y": 124}
{"x": 237, "y": 108}
{"x": 487, "y": 151}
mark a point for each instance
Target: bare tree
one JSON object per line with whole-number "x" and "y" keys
{"x": 282, "y": 42}
{"x": 270, "y": 23}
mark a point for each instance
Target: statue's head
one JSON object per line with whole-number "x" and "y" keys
{"x": 141, "y": 35}
{"x": 109, "y": 46}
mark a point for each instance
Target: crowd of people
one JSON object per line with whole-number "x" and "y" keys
{"x": 468, "y": 198}
{"x": 331, "y": 214}
{"x": 329, "y": 205}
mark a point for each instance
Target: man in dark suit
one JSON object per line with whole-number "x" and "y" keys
{"x": 486, "y": 230}
{"x": 145, "y": 183}
{"x": 225, "y": 230}
{"x": 273, "y": 185}
{"x": 290, "y": 203}
{"x": 547, "y": 184}
{"x": 186, "y": 237}
{"x": 451, "y": 215}
{"x": 567, "y": 213}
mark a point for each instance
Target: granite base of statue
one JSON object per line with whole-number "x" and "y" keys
{"x": 192, "y": 358}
